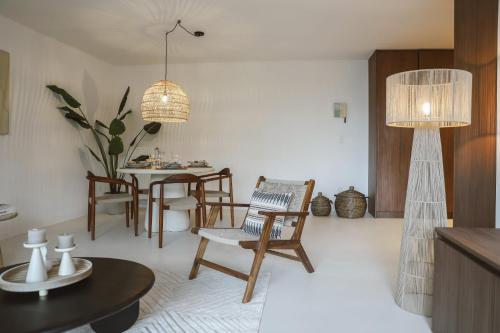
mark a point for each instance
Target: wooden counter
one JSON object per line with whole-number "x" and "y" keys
{"x": 466, "y": 281}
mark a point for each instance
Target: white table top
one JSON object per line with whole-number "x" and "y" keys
{"x": 148, "y": 171}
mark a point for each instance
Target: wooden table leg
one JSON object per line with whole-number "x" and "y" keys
{"x": 118, "y": 322}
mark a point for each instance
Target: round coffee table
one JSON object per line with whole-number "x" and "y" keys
{"x": 108, "y": 300}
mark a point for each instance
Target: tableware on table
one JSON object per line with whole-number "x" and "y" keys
{"x": 66, "y": 267}
{"x": 13, "y": 280}
{"x": 36, "y": 236}
{"x": 36, "y": 270}
{"x": 198, "y": 164}
{"x": 138, "y": 164}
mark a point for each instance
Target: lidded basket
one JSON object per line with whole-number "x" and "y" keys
{"x": 321, "y": 205}
{"x": 350, "y": 204}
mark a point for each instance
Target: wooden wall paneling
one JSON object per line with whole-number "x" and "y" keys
{"x": 442, "y": 59}
{"x": 394, "y": 144}
{"x": 372, "y": 134}
{"x": 475, "y": 146}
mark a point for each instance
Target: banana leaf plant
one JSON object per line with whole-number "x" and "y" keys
{"x": 107, "y": 137}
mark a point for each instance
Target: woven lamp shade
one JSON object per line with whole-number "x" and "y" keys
{"x": 429, "y": 98}
{"x": 166, "y": 102}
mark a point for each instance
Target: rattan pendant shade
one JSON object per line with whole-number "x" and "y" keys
{"x": 165, "y": 101}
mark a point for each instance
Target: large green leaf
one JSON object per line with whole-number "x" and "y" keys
{"x": 70, "y": 114}
{"x": 152, "y": 128}
{"x": 115, "y": 146}
{"x": 93, "y": 154}
{"x": 123, "y": 102}
{"x": 70, "y": 100}
{"x": 116, "y": 127}
{"x": 125, "y": 114}
{"x": 100, "y": 123}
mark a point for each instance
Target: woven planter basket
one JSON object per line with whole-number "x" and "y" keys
{"x": 321, "y": 205}
{"x": 350, "y": 204}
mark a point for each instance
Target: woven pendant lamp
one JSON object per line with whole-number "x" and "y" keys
{"x": 425, "y": 100}
{"x": 166, "y": 101}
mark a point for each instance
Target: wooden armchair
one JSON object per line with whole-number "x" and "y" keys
{"x": 259, "y": 244}
{"x": 185, "y": 203}
{"x": 220, "y": 193}
{"x": 125, "y": 197}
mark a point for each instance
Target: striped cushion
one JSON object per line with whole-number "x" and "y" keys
{"x": 270, "y": 202}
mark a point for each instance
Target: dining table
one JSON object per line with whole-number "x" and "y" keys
{"x": 174, "y": 220}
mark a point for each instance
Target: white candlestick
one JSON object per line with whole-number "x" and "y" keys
{"x": 36, "y": 236}
{"x": 65, "y": 241}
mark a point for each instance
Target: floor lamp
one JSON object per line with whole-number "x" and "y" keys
{"x": 425, "y": 100}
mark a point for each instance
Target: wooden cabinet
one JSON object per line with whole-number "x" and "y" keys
{"x": 466, "y": 281}
{"x": 390, "y": 147}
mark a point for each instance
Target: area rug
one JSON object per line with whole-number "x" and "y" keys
{"x": 209, "y": 303}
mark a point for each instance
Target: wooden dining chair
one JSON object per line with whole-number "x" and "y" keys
{"x": 140, "y": 191}
{"x": 220, "y": 193}
{"x": 184, "y": 203}
{"x": 129, "y": 198}
{"x": 267, "y": 240}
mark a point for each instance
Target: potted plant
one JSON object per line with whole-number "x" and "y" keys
{"x": 107, "y": 137}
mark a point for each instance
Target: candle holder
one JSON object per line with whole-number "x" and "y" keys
{"x": 66, "y": 267}
{"x": 37, "y": 271}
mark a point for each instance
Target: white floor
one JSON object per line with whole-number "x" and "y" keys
{"x": 351, "y": 290}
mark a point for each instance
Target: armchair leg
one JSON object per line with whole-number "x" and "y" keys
{"x": 199, "y": 255}
{"x": 89, "y": 213}
{"x": 254, "y": 272}
{"x": 136, "y": 216}
{"x": 301, "y": 253}
{"x": 150, "y": 216}
{"x": 92, "y": 222}
{"x": 127, "y": 212}
{"x": 160, "y": 225}
{"x": 220, "y": 200}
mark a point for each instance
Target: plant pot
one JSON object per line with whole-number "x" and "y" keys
{"x": 114, "y": 208}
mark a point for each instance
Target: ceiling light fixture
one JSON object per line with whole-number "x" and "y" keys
{"x": 165, "y": 101}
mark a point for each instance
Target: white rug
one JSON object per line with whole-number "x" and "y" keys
{"x": 209, "y": 303}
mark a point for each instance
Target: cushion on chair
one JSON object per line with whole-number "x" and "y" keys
{"x": 184, "y": 203}
{"x": 114, "y": 197}
{"x": 229, "y": 236}
{"x": 279, "y": 186}
{"x": 213, "y": 194}
{"x": 270, "y": 202}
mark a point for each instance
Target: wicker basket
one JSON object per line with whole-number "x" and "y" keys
{"x": 350, "y": 204}
{"x": 321, "y": 205}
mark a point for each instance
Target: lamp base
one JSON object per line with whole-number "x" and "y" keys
{"x": 425, "y": 209}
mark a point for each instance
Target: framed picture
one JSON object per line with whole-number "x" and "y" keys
{"x": 4, "y": 92}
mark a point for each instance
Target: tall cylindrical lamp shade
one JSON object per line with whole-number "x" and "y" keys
{"x": 425, "y": 100}
{"x": 165, "y": 101}
{"x": 429, "y": 98}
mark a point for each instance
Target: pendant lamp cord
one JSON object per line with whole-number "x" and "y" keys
{"x": 178, "y": 24}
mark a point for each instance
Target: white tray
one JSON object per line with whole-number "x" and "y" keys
{"x": 14, "y": 279}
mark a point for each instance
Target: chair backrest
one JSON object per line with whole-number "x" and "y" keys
{"x": 302, "y": 191}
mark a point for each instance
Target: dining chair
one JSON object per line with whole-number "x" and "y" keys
{"x": 184, "y": 203}
{"x": 220, "y": 193}
{"x": 130, "y": 199}
{"x": 274, "y": 221}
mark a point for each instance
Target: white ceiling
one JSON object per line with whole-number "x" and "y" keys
{"x": 131, "y": 31}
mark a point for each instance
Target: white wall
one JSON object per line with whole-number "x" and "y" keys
{"x": 40, "y": 167}
{"x": 268, "y": 118}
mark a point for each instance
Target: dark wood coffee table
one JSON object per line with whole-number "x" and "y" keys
{"x": 108, "y": 300}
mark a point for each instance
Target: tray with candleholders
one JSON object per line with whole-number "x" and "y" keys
{"x": 13, "y": 280}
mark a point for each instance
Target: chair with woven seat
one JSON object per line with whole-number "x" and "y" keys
{"x": 184, "y": 203}
{"x": 276, "y": 208}
{"x": 220, "y": 193}
{"x": 130, "y": 199}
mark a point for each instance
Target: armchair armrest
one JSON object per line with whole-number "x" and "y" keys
{"x": 227, "y": 204}
{"x": 286, "y": 214}
{"x": 110, "y": 180}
